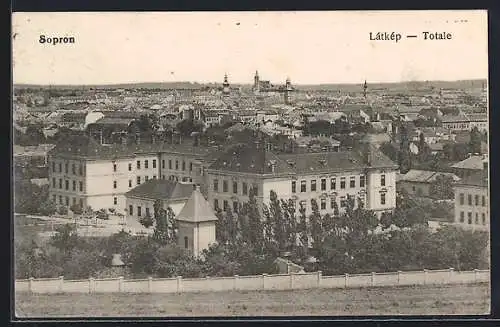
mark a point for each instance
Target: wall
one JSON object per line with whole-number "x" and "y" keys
{"x": 475, "y": 210}
{"x": 258, "y": 282}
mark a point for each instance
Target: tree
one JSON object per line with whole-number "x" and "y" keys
{"x": 315, "y": 223}
{"x": 304, "y": 231}
{"x": 423, "y": 149}
{"x": 76, "y": 208}
{"x": 409, "y": 211}
{"x": 146, "y": 220}
{"x": 442, "y": 188}
{"x": 475, "y": 141}
{"x": 166, "y": 225}
{"x": 66, "y": 238}
{"x": 404, "y": 158}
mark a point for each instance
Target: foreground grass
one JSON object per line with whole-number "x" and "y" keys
{"x": 421, "y": 300}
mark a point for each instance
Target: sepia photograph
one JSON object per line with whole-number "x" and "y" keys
{"x": 250, "y": 164}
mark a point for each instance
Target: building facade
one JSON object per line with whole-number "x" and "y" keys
{"x": 472, "y": 202}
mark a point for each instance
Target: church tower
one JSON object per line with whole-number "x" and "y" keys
{"x": 226, "y": 90}
{"x": 288, "y": 90}
{"x": 365, "y": 87}
{"x": 256, "y": 82}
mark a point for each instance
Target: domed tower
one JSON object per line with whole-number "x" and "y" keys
{"x": 288, "y": 90}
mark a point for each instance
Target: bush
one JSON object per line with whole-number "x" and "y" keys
{"x": 62, "y": 210}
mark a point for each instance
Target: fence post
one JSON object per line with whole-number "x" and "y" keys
{"x": 291, "y": 280}
{"x": 264, "y": 281}
{"x": 320, "y": 274}
{"x": 425, "y": 276}
{"x": 235, "y": 287}
{"x": 208, "y": 283}
{"x": 450, "y": 275}
{"x": 120, "y": 284}
{"x": 61, "y": 282}
{"x": 30, "y": 285}
{"x": 346, "y": 280}
{"x": 476, "y": 275}
{"x": 91, "y": 283}
{"x": 399, "y": 277}
{"x": 150, "y": 284}
{"x": 373, "y": 279}
{"x": 179, "y": 284}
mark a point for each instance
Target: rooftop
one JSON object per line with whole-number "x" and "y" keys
{"x": 473, "y": 162}
{"x": 479, "y": 179}
{"x": 196, "y": 209}
{"x": 425, "y": 176}
{"x": 161, "y": 189}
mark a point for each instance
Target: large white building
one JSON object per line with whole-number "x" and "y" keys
{"x": 326, "y": 177}
{"x": 85, "y": 172}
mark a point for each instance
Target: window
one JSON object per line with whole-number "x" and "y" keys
{"x": 382, "y": 198}
{"x": 154, "y": 163}
{"x": 146, "y": 164}
{"x": 216, "y": 185}
{"x": 216, "y": 204}
{"x": 303, "y": 187}
{"x": 138, "y": 180}
{"x": 342, "y": 182}
{"x": 235, "y": 206}
{"x": 147, "y": 211}
{"x": 343, "y": 201}
{"x": 115, "y": 200}
{"x": 245, "y": 188}
{"x": 303, "y": 204}
{"x": 129, "y": 167}
{"x": 60, "y": 199}
{"x": 74, "y": 185}
{"x": 462, "y": 216}
{"x": 323, "y": 184}
{"x": 469, "y": 218}
{"x": 333, "y": 183}
{"x": 235, "y": 187}
{"x": 66, "y": 169}
{"x": 163, "y": 164}
{"x": 313, "y": 185}
{"x": 114, "y": 167}
{"x": 73, "y": 169}
{"x": 323, "y": 204}
{"x": 362, "y": 181}
{"x": 114, "y": 184}
{"x": 80, "y": 170}
{"x": 138, "y": 164}
{"x": 129, "y": 183}
{"x": 483, "y": 200}
{"x": 60, "y": 169}
{"x": 154, "y": 176}
{"x": 224, "y": 186}
{"x": 225, "y": 205}
{"x": 476, "y": 199}
{"x": 81, "y": 186}
{"x": 483, "y": 217}
{"x": 163, "y": 177}
{"x": 294, "y": 186}
{"x": 190, "y": 166}
{"x": 462, "y": 199}
{"x": 183, "y": 166}
{"x": 131, "y": 210}
{"x": 139, "y": 211}
{"x": 469, "y": 199}
{"x": 255, "y": 189}
{"x": 382, "y": 180}
{"x": 53, "y": 182}
{"x": 186, "y": 242}
{"x": 60, "y": 183}
{"x": 170, "y": 164}
{"x": 146, "y": 178}
{"x": 73, "y": 201}
{"x": 54, "y": 198}
{"x": 352, "y": 182}
{"x": 176, "y": 165}
{"x": 332, "y": 203}
{"x": 66, "y": 184}
{"x": 477, "y": 219}
{"x": 54, "y": 167}
{"x": 67, "y": 201}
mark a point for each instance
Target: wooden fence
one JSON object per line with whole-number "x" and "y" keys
{"x": 259, "y": 282}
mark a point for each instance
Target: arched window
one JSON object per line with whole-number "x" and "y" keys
{"x": 186, "y": 242}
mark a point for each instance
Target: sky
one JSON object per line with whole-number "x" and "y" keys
{"x": 308, "y": 47}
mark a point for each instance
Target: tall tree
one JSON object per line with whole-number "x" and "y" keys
{"x": 404, "y": 159}
{"x": 315, "y": 223}
{"x": 304, "y": 231}
{"x": 475, "y": 140}
{"x": 166, "y": 225}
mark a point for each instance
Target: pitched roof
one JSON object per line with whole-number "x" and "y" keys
{"x": 479, "y": 178}
{"x": 425, "y": 176}
{"x": 473, "y": 162}
{"x": 196, "y": 209}
{"x": 161, "y": 189}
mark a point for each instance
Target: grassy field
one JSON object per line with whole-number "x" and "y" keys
{"x": 429, "y": 300}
